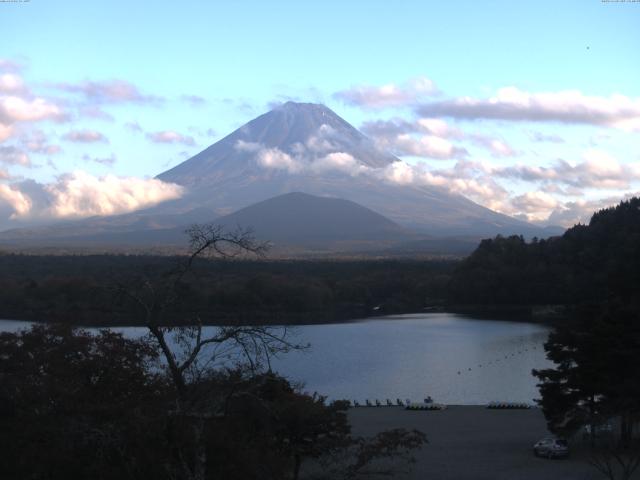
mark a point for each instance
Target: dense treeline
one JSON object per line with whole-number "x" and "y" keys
{"x": 588, "y": 263}
{"x": 84, "y": 289}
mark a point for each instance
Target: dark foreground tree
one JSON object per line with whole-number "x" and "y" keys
{"x": 76, "y": 405}
{"x": 596, "y": 377}
{"x": 82, "y": 406}
{"x": 283, "y": 433}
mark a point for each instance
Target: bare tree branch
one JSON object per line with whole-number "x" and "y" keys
{"x": 253, "y": 343}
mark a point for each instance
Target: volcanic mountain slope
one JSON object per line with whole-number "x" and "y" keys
{"x": 303, "y": 147}
{"x": 294, "y": 128}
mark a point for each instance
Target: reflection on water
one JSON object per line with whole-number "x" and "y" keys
{"x": 453, "y": 358}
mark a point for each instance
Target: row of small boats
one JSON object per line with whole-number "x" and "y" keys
{"x": 509, "y": 405}
{"x": 378, "y": 403}
{"x": 428, "y": 404}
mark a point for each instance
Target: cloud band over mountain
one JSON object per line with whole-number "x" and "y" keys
{"x": 79, "y": 194}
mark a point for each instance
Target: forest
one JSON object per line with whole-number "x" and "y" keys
{"x": 587, "y": 263}
{"x": 85, "y": 290}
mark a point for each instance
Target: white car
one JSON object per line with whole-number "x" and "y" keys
{"x": 551, "y": 447}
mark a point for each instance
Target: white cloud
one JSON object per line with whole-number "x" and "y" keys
{"x": 17, "y": 109}
{"x": 568, "y": 106}
{"x": 80, "y": 194}
{"x": 274, "y": 158}
{"x": 243, "y": 146}
{"x": 438, "y": 127}
{"x": 535, "y": 205}
{"x": 109, "y": 91}
{"x": 399, "y": 126}
{"x": 11, "y": 83}
{"x": 323, "y": 141}
{"x": 425, "y": 137}
{"x": 543, "y": 137}
{"x": 472, "y": 180}
{"x": 498, "y": 148}
{"x": 338, "y": 161}
{"x": 390, "y": 95}
{"x": 427, "y": 146}
{"x": 581, "y": 210}
{"x": 35, "y": 141}
{"x": 317, "y": 154}
{"x": 5, "y": 131}
{"x": 467, "y": 178}
{"x": 84, "y": 136}
{"x": 95, "y": 112}
{"x": 19, "y": 106}
{"x": 133, "y": 127}
{"x": 7, "y": 65}
{"x": 170, "y": 136}
{"x": 18, "y": 203}
{"x": 107, "y": 161}
{"x": 476, "y": 180}
{"x": 11, "y": 155}
{"x": 599, "y": 169}
{"x": 501, "y": 149}
{"x": 193, "y": 100}
{"x": 399, "y": 172}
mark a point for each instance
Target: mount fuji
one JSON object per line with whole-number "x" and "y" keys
{"x": 305, "y": 147}
{"x": 300, "y": 148}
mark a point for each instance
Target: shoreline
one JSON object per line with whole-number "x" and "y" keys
{"x": 539, "y": 314}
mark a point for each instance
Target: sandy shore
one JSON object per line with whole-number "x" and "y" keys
{"x": 473, "y": 442}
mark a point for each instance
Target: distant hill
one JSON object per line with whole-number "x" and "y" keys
{"x": 587, "y": 263}
{"x": 307, "y": 220}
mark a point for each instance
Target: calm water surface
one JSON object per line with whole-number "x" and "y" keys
{"x": 453, "y": 358}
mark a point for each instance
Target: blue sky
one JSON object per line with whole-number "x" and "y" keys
{"x": 530, "y": 108}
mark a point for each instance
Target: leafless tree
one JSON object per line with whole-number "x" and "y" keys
{"x": 190, "y": 350}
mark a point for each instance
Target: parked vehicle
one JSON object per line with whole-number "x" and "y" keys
{"x": 551, "y": 447}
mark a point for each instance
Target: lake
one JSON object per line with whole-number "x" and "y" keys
{"x": 455, "y": 359}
